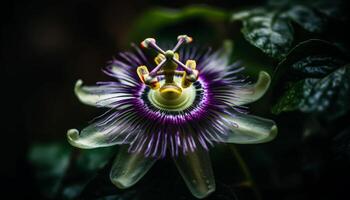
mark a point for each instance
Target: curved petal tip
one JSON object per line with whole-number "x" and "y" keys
{"x": 254, "y": 92}
{"x": 273, "y": 134}
{"x": 85, "y": 96}
{"x": 75, "y": 140}
{"x": 122, "y": 183}
{"x": 204, "y": 194}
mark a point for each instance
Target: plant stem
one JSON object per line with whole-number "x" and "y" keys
{"x": 248, "y": 182}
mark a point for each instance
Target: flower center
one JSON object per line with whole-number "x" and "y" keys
{"x": 165, "y": 78}
{"x": 178, "y": 102}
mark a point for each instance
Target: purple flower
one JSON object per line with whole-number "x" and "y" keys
{"x": 190, "y": 101}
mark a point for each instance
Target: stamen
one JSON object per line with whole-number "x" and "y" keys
{"x": 181, "y": 39}
{"x": 157, "y": 48}
{"x": 151, "y": 42}
{"x": 186, "y": 38}
{"x": 167, "y": 67}
{"x": 145, "y": 43}
{"x": 156, "y": 69}
{"x": 187, "y": 69}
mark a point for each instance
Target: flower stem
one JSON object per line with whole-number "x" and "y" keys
{"x": 249, "y": 181}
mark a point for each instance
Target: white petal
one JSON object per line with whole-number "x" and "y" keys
{"x": 249, "y": 129}
{"x": 95, "y": 95}
{"x": 195, "y": 168}
{"x": 129, "y": 168}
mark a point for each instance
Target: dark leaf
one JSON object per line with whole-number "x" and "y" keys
{"x": 94, "y": 159}
{"x": 51, "y": 162}
{"x": 328, "y": 97}
{"x": 341, "y": 144}
{"x": 268, "y": 30}
{"x": 306, "y": 17}
{"x": 84, "y": 168}
{"x": 334, "y": 9}
{"x": 329, "y": 8}
{"x": 60, "y": 172}
{"x": 291, "y": 99}
{"x": 311, "y": 59}
{"x": 317, "y": 65}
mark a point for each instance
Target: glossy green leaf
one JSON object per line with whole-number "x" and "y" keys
{"x": 328, "y": 97}
{"x": 310, "y": 59}
{"x": 334, "y": 9}
{"x": 307, "y": 18}
{"x": 268, "y": 30}
{"x": 293, "y": 98}
{"x": 316, "y": 66}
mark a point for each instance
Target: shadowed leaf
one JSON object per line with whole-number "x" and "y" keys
{"x": 328, "y": 97}
{"x": 268, "y": 30}
{"x": 307, "y": 18}
{"x": 157, "y": 18}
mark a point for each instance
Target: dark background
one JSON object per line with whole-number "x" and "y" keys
{"x": 48, "y": 45}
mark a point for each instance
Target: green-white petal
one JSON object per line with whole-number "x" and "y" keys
{"x": 253, "y": 92}
{"x": 93, "y": 95}
{"x": 195, "y": 168}
{"x": 129, "y": 168}
{"x": 91, "y": 137}
{"x": 249, "y": 129}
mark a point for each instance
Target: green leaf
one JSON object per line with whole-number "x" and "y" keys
{"x": 51, "y": 162}
{"x": 55, "y": 163}
{"x": 335, "y": 9}
{"x": 291, "y": 99}
{"x": 86, "y": 165}
{"x": 328, "y": 97}
{"x": 94, "y": 159}
{"x": 155, "y": 19}
{"x": 316, "y": 65}
{"x": 310, "y": 59}
{"x": 330, "y": 8}
{"x": 268, "y": 30}
{"x": 307, "y": 18}
{"x": 341, "y": 144}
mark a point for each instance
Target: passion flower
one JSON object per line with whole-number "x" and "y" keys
{"x": 190, "y": 101}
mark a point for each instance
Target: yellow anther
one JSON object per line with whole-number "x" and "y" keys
{"x": 167, "y": 65}
{"x": 142, "y": 71}
{"x": 144, "y": 76}
{"x": 176, "y": 56}
{"x": 191, "y": 64}
{"x": 187, "y": 80}
{"x": 159, "y": 58}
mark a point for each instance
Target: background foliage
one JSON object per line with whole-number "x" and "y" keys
{"x": 304, "y": 45}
